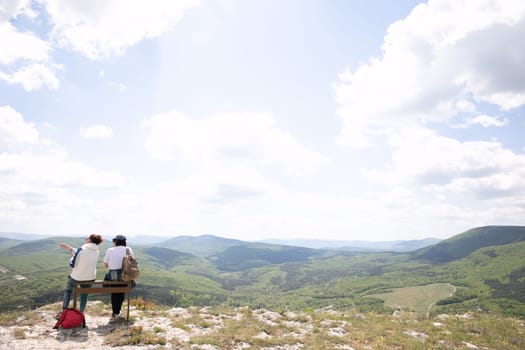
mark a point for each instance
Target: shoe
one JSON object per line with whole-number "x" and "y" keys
{"x": 114, "y": 317}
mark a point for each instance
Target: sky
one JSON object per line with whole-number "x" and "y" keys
{"x": 250, "y": 119}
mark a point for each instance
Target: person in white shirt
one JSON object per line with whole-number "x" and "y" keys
{"x": 84, "y": 263}
{"x": 113, "y": 261}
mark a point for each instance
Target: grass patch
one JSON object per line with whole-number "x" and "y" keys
{"x": 134, "y": 336}
{"x": 19, "y": 333}
{"x": 416, "y": 298}
{"x": 144, "y": 305}
{"x": 247, "y": 330}
{"x": 19, "y": 318}
{"x": 194, "y": 320}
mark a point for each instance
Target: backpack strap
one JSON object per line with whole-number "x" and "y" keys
{"x": 127, "y": 251}
{"x": 60, "y": 319}
{"x": 74, "y": 258}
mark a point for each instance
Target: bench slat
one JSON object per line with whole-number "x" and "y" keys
{"x": 103, "y": 290}
{"x": 102, "y": 287}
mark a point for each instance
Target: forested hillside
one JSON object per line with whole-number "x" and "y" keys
{"x": 485, "y": 268}
{"x": 463, "y": 244}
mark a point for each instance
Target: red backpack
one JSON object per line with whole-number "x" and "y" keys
{"x": 70, "y": 318}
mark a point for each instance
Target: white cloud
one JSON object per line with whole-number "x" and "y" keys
{"x": 56, "y": 171}
{"x": 38, "y": 182}
{"x": 442, "y": 165}
{"x": 120, "y": 86}
{"x": 13, "y": 8}
{"x": 33, "y": 76}
{"x": 18, "y": 45}
{"x": 443, "y": 63}
{"x": 440, "y": 64}
{"x": 96, "y": 132}
{"x": 226, "y": 140}
{"x": 13, "y": 130}
{"x": 46, "y": 165}
{"x": 191, "y": 206}
{"x": 440, "y": 61}
{"x": 99, "y": 29}
{"x": 95, "y": 29}
{"x": 485, "y": 121}
{"x": 465, "y": 106}
{"x": 228, "y": 178}
{"x": 25, "y": 56}
{"x": 493, "y": 186}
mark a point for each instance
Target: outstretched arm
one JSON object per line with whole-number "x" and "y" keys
{"x": 66, "y": 246}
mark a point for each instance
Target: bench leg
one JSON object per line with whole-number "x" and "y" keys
{"x": 127, "y": 316}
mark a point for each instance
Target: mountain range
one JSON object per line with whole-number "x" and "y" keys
{"x": 486, "y": 266}
{"x": 359, "y": 245}
{"x": 187, "y": 243}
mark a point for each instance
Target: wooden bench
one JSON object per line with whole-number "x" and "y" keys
{"x": 102, "y": 287}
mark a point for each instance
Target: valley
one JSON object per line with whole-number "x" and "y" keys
{"x": 447, "y": 277}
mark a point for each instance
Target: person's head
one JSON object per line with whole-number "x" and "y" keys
{"x": 119, "y": 240}
{"x": 94, "y": 238}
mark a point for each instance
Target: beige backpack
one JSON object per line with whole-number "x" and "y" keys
{"x": 130, "y": 267}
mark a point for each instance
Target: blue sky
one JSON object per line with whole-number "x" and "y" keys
{"x": 374, "y": 120}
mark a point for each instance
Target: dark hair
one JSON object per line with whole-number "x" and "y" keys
{"x": 119, "y": 242}
{"x": 94, "y": 238}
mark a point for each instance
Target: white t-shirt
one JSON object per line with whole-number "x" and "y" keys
{"x": 114, "y": 256}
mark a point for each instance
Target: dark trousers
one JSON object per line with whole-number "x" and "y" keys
{"x": 116, "y": 302}
{"x": 116, "y": 298}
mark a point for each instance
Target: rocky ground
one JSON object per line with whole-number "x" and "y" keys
{"x": 241, "y": 328}
{"x": 36, "y": 332}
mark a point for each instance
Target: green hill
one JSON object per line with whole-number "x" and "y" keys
{"x": 38, "y": 256}
{"x": 492, "y": 279}
{"x": 165, "y": 256}
{"x": 251, "y": 255}
{"x": 468, "y": 242}
{"x": 203, "y": 246}
{"x": 22, "y": 236}
{"x": 46, "y": 245}
{"x": 159, "y": 258}
{"x": 8, "y": 242}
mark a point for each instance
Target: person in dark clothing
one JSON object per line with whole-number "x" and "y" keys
{"x": 113, "y": 261}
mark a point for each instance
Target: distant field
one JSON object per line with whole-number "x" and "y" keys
{"x": 418, "y": 298}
